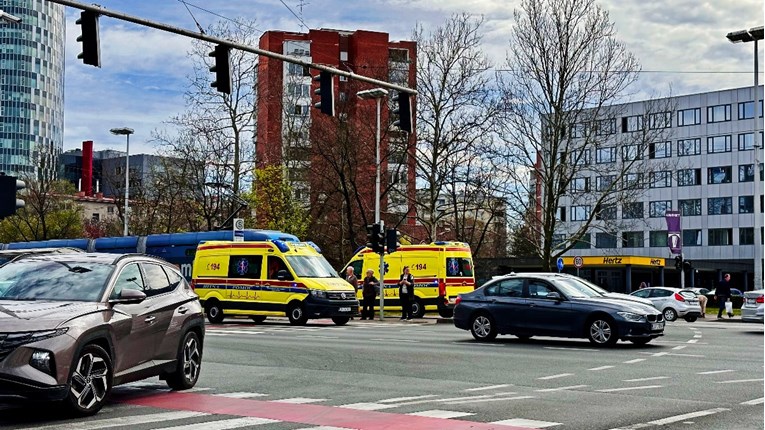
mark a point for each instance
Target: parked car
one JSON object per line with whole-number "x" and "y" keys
{"x": 673, "y": 302}
{"x": 551, "y": 304}
{"x": 736, "y": 297}
{"x": 73, "y": 325}
{"x": 752, "y": 309}
{"x": 9, "y": 254}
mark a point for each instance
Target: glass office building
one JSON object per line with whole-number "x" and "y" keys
{"x": 31, "y": 87}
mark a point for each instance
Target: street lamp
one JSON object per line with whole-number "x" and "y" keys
{"x": 377, "y": 94}
{"x": 127, "y": 132}
{"x": 4, "y": 16}
{"x": 753, "y": 35}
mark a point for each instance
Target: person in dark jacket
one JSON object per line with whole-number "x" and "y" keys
{"x": 369, "y": 292}
{"x": 722, "y": 294}
{"x": 406, "y": 293}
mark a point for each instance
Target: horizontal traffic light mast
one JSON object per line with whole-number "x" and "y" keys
{"x": 219, "y": 41}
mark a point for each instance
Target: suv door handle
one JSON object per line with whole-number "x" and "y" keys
{"x": 150, "y": 319}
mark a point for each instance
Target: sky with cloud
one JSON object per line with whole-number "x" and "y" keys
{"x": 681, "y": 46}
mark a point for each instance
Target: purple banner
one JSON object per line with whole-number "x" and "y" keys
{"x": 674, "y": 231}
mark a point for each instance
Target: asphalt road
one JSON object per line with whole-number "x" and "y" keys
{"x": 394, "y": 375}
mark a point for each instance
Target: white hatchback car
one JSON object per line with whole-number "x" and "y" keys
{"x": 752, "y": 309}
{"x": 673, "y": 302}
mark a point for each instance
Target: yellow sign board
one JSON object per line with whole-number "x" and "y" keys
{"x": 617, "y": 260}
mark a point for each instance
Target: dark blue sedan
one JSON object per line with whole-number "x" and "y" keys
{"x": 551, "y": 304}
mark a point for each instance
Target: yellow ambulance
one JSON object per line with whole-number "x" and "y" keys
{"x": 270, "y": 278}
{"x": 441, "y": 270}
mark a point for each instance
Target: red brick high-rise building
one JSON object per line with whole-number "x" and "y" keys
{"x": 330, "y": 161}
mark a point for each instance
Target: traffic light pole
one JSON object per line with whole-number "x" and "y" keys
{"x": 682, "y": 270}
{"x": 377, "y": 209}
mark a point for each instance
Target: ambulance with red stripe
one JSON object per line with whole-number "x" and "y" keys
{"x": 441, "y": 270}
{"x": 270, "y": 278}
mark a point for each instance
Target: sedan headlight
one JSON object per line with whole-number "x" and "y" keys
{"x": 629, "y": 316}
{"x": 319, "y": 294}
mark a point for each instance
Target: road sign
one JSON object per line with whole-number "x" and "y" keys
{"x": 578, "y": 262}
{"x": 238, "y": 230}
{"x": 560, "y": 264}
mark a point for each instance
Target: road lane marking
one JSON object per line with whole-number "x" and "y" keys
{"x": 560, "y": 375}
{"x": 637, "y": 360}
{"x": 122, "y": 421}
{"x": 676, "y": 418}
{"x": 712, "y": 372}
{"x": 299, "y": 400}
{"x": 241, "y": 395}
{"x": 316, "y": 336}
{"x": 490, "y": 387}
{"x": 570, "y": 387}
{"x": 698, "y": 335}
{"x": 521, "y": 422}
{"x": 415, "y": 402}
{"x": 738, "y": 380}
{"x": 324, "y": 428}
{"x": 232, "y": 332}
{"x": 395, "y": 340}
{"x": 679, "y": 347}
{"x": 693, "y": 341}
{"x": 499, "y": 399}
{"x": 437, "y": 413}
{"x": 403, "y": 399}
{"x": 367, "y": 406}
{"x": 233, "y": 423}
{"x": 645, "y": 379}
{"x": 595, "y": 369}
{"x": 754, "y": 401}
{"x": 642, "y": 387}
{"x": 560, "y": 348}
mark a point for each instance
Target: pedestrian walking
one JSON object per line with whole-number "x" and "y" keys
{"x": 722, "y": 294}
{"x": 406, "y": 293}
{"x": 368, "y": 292}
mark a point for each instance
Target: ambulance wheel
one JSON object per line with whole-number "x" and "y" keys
{"x": 214, "y": 312}
{"x": 296, "y": 314}
{"x": 258, "y": 318}
{"x": 340, "y": 320}
{"x": 418, "y": 310}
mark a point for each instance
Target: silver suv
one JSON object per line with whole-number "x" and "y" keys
{"x": 673, "y": 302}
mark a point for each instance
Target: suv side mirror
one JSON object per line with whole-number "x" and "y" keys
{"x": 554, "y": 295}
{"x": 282, "y": 275}
{"x": 129, "y": 296}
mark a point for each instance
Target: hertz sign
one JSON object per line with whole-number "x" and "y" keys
{"x": 617, "y": 261}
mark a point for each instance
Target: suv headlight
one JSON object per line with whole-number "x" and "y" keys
{"x": 629, "y": 316}
{"x": 43, "y": 361}
{"x": 319, "y": 294}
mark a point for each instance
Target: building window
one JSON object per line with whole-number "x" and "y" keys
{"x": 297, "y": 70}
{"x": 632, "y": 152}
{"x": 659, "y": 208}
{"x": 578, "y": 130}
{"x": 605, "y": 212}
{"x": 719, "y": 113}
{"x": 661, "y": 179}
{"x": 746, "y": 173}
{"x": 580, "y": 213}
{"x": 686, "y": 147}
{"x": 633, "y": 181}
{"x": 657, "y": 239}
{"x": 688, "y": 117}
{"x": 746, "y": 110}
{"x": 296, "y": 89}
{"x": 398, "y": 55}
{"x": 720, "y": 206}
{"x": 110, "y": 210}
{"x": 583, "y": 242}
{"x": 580, "y": 185}
{"x": 606, "y": 126}
{"x": 719, "y": 175}
{"x": 718, "y": 144}
{"x": 746, "y": 142}
{"x": 580, "y": 158}
{"x": 605, "y": 240}
{"x": 660, "y": 150}
{"x": 605, "y": 155}
{"x": 688, "y": 177}
{"x": 95, "y": 217}
{"x": 746, "y": 204}
{"x": 343, "y": 55}
{"x": 691, "y": 237}
{"x": 301, "y": 110}
{"x": 690, "y": 207}
{"x": 560, "y": 214}
{"x": 632, "y": 123}
{"x": 632, "y": 210}
{"x": 603, "y": 182}
{"x": 746, "y": 236}
{"x": 632, "y": 239}
{"x": 660, "y": 120}
{"x": 720, "y": 236}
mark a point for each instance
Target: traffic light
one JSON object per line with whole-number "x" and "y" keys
{"x": 9, "y": 204}
{"x": 91, "y": 51}
{"x": 391, "y": 240}
{"x": 678, "y": 262}
{"x": 371, "y": 236}
{"x": 404, "y": 111}
{"x": 222, "y": 69}
{"x": 376, "y": 238}
{"x": 326, "y": 93}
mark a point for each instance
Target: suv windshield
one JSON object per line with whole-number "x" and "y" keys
{"x": 53, "y": 280}
{"x": 311, "y": 267}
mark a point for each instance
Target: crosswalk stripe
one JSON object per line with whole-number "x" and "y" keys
{"x": 712, "y": 372}
{"x": 233, "y": 423}
{"x": 521, "y": 422}
{"x": 642, "y": 387}
{"x": 121, "y": 421}
{"x": 299, "y": 400}
{"x": 404, "y": 399}
{"x": 736, "y": 381}
{"x": 241, "y": 395}
{"x": 754, "y": 401}
{"x": 367, "y": 406}
{"x": 437, "y": 413}
{"x": 490, "y": 387}
{"x": 570, "y": 387}
{"x": 560, "y": 375}
{"x": 496, "y": 399}
{"x": 601, "y": 368}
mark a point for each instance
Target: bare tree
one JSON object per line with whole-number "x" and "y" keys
{"x": 563, "y": 145}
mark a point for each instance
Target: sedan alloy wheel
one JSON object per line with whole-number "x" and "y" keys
{"x": 602, "y": 332}
{"x": 482, "y": 327}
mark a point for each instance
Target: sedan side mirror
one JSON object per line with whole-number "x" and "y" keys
{"x": 129, "y": 296}
{"x": 554, "y": 295}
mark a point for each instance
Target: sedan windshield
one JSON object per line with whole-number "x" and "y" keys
{"x": 53, "y": 280}
{"x": 575, "y": 288}
{"x": 311, "y": 267}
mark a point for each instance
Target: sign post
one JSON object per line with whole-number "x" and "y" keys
{"x": 578, "y": 263}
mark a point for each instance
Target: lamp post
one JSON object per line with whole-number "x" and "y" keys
{"x": 754, "y": 35}
{"x": 7, "y": 17}
{"x": 127, "y": 132}
{"x": 377, "y": 94}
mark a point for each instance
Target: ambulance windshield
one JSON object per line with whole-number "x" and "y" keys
{"x": 311, "y": 266}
